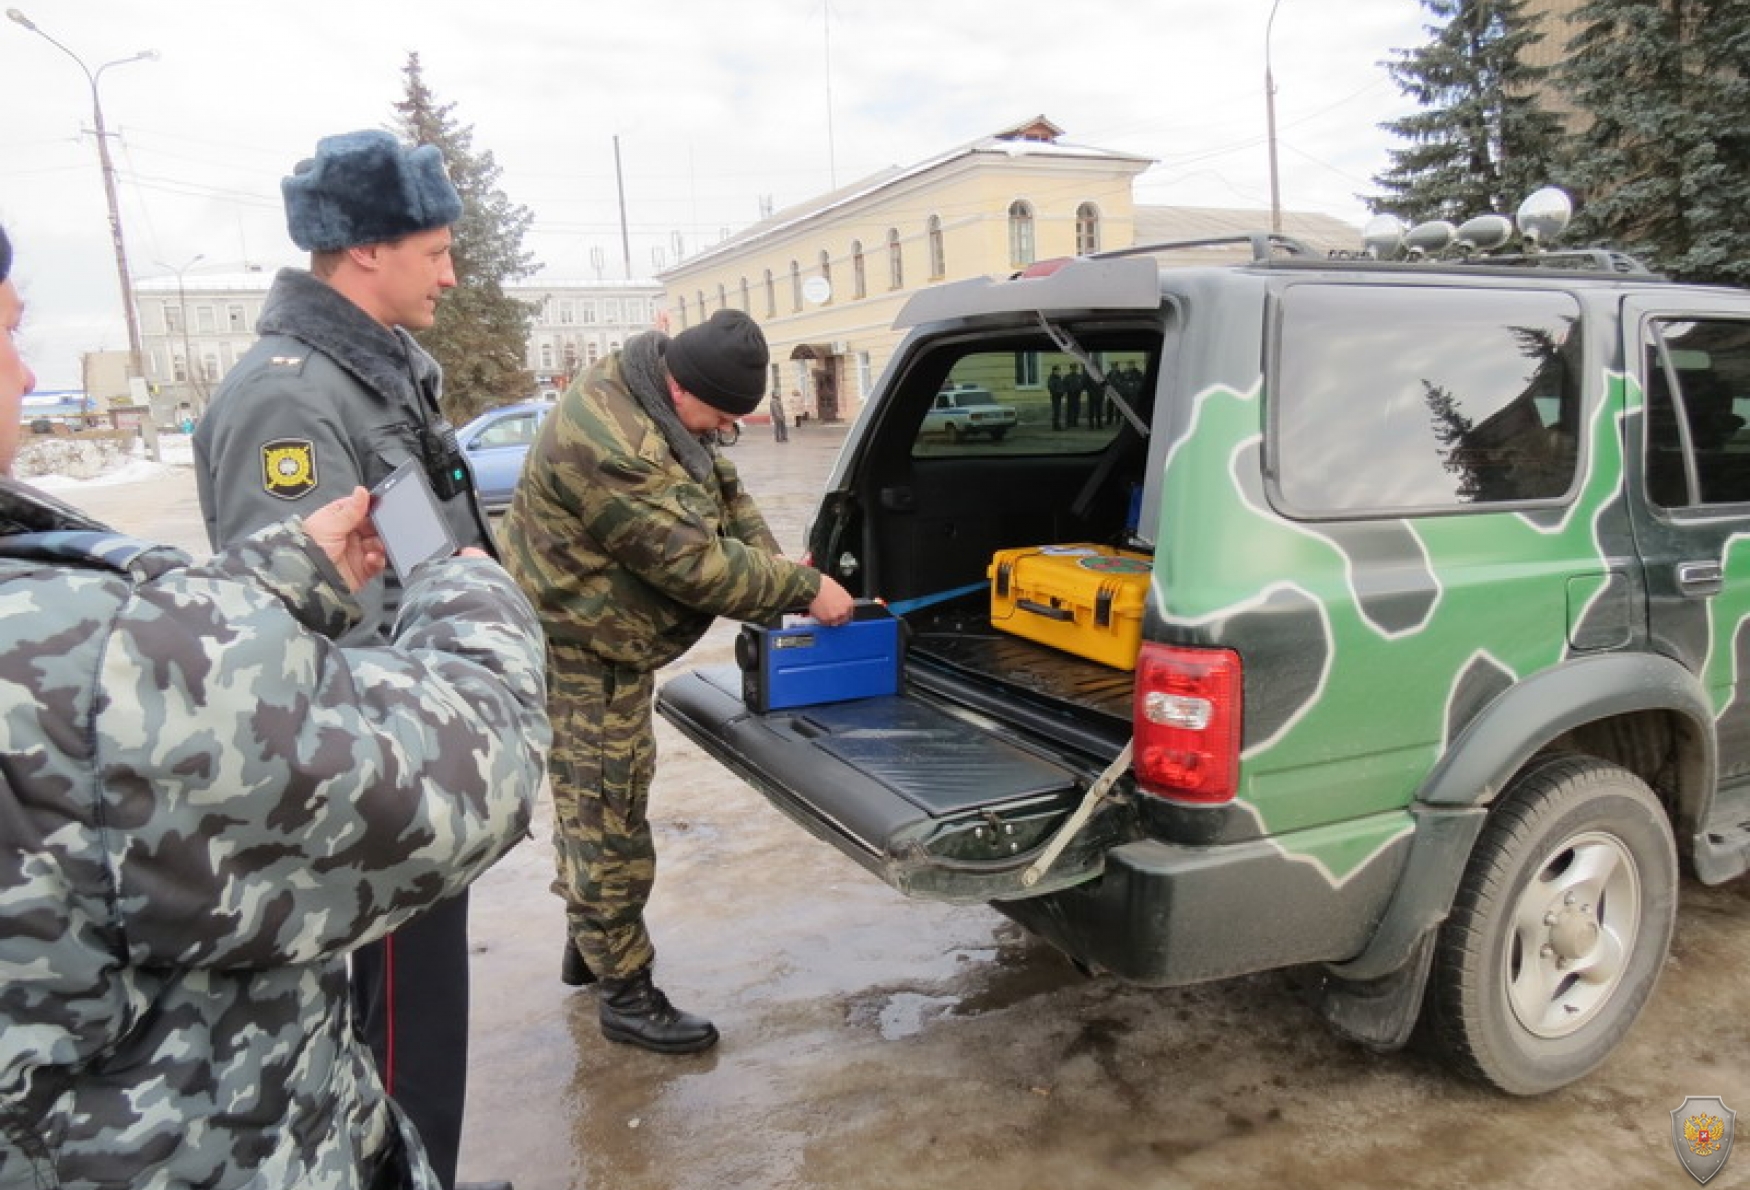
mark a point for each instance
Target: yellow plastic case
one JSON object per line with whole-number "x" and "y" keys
{"x": 1084, "y": 599}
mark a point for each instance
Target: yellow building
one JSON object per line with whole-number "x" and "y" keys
{"x": 826, "y": 278}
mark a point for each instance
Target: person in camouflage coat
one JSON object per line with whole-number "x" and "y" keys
{"x": 631, "y": 535}
{"x": 206, "y": 803}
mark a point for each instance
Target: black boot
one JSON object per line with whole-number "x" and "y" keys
{"x": 574, "y": 968}
{"x": 635, "y": 1011}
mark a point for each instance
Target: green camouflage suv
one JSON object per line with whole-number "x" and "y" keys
{"x": 1436, "y": 683}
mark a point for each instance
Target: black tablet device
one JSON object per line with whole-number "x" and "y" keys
{"x": 409, "y": 520}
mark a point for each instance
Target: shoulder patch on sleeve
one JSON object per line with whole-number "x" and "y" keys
{"x": 288, "y": 467}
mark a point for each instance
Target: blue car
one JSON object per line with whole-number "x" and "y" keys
{"x": 496, "y": 443}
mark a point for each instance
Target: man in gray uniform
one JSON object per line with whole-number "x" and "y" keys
{"x": 335, "y": 394}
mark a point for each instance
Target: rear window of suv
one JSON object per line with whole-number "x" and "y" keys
{"x": 1395, "y": 399}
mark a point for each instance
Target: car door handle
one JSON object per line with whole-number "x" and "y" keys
{"x": 1700, "y": 578}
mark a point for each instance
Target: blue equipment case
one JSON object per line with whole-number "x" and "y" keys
{"x": 811, "y": 663}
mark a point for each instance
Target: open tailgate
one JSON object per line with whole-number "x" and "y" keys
{"x": 938, "y": 804}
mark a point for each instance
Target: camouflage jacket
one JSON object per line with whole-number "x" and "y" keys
{"x": 621, "y": 550}
{"x": 206, "y": 803}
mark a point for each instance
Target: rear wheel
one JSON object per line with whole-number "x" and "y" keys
{"x": 1559, "y": 930}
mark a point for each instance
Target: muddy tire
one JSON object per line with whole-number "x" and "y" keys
{"x": 1559, "y": 930}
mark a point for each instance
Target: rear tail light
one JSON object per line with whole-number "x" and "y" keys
{"x": 1188, "y": 723}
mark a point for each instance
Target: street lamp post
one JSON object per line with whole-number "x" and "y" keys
{"x": 198, "y": 390}
{"x": 135, "y": 358}
{"x": 1270, "y": 119}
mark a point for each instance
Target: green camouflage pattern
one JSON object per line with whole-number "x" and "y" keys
{"x": 1404, "y": 667}
{"x": 621, "y": 550}
{"x": 206, "y": 805}
{"x": 628, "y": 560}
{"x": 604, "y": 758}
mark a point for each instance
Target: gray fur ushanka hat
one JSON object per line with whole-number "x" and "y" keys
{"x": 364, "y": 188}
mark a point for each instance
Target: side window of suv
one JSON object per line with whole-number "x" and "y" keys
{"x": 1698, "y": 406}
{"x": 1404, "y": 399}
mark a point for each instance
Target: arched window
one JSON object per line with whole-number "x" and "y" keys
{"x": 859, "y": 279}
{"x": 745, "y": 307}
{"x": 722, "y": 297}
{"x": 826, "y": 272}
{"x": 702, "y": 306}
{"x": 795, "y": 287}
{"x": 771, "y": 296}
{"x": 1087, "y": 229}
{"x": 938, "y": 254}
{"x": 1020, "y": 233}
{"x": 680, "y": 311}
{"x": 895, "y": 261}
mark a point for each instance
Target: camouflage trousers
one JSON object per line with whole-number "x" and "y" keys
{"x": 603, "y": 760}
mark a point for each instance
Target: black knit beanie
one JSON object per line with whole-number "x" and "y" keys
{"x": 722, "y": 361}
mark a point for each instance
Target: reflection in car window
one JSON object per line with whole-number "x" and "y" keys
{"x": 1698, "y": 407}
{"x": 1467, "y": 397}
{"x": 1024, "y": 402}
{"x": 511, "y": 431}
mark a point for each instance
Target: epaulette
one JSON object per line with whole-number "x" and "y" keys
{"x": 92, "y": 549}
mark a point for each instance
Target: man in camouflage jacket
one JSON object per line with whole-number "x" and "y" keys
{"x": 206, "y": 803}
{"x": 631, "y": 536}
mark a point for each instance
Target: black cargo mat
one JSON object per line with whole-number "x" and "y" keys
{"x": 936, "y": 762}
{"x": 933, "y": 761}
{"x": 962, "y": 637}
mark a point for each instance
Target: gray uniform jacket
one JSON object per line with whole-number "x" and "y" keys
{"x": 205, "y": 804}
{"x": 326, "y": 400}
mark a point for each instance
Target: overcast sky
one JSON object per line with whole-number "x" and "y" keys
{"x": 717, "y": 108}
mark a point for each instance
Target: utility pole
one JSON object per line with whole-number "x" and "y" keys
{"x": 620, "y": 184}
{"x": 135, "y": 355}
{"x": 198, "y": 390}
{"x": 1270, "y": 118}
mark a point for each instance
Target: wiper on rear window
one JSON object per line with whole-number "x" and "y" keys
{"x": 1067, "y": 344}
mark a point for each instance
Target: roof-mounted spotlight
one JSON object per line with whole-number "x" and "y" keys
{"x": 1430, "y": 238}
{"x": 1543, "y": 216}
{"x": 1485, "y": 233}
{"x": 1383, "y": 237}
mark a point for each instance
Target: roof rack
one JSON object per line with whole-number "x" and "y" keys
{"x": 1264, "y": 245}
{"x": 1576, "y": 260}
{"x": 1591, "y": 260}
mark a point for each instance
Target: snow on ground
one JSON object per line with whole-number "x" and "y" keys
{"x": 174, "y": 450}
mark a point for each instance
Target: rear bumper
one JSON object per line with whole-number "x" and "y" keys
{"x": 1166, "y": 915}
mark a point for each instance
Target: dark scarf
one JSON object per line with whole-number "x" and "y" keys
{"x": 385, "y": 360}
{"x": 647, "y": 380}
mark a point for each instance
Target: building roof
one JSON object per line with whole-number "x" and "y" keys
{"x": 257, "y": 281}
{"x": 1322, "y": 233}
{"x": 1036, "y": 138}
{"x": 249, "y": 281}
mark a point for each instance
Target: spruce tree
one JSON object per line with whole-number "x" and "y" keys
{"x": 1663, "y": 168}
{"x": 1482, "y": 140}
{"x": 481, "y": 334}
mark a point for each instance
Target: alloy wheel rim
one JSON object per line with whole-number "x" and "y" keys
{"x": 1571, "y": 934}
